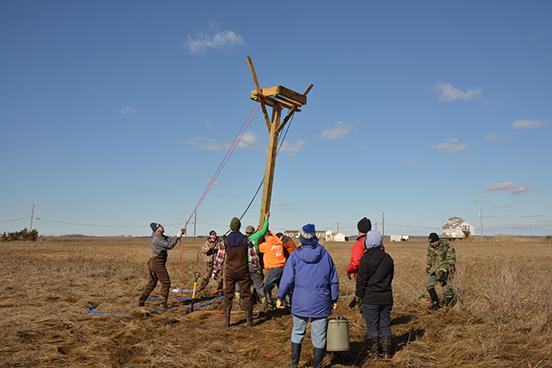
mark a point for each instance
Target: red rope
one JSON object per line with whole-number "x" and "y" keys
{"x": 221, "y": 166}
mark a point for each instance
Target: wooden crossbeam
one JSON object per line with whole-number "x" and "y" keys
{"x": 259, "y": 91}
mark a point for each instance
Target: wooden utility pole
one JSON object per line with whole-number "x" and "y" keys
{"x": 195, "y": 222}
{"x": 383, "y": 224}
{"x": 32, "y": 217}
{"x": 279, "y": 98}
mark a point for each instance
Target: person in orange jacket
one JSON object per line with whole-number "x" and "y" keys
{"x": 274, "y": 261}
{"x": 363, "y": 226}
{"x": 289, "y": 244}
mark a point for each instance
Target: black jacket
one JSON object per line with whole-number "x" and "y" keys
{"x": 375, "y": 275}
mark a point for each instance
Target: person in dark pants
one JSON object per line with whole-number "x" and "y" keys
{"x": 375, "y": 295}
{"x": 160, "y": 244}
{"x": 236, "y": 270}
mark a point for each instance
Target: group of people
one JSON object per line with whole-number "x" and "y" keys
{"x": 306, "y": 278}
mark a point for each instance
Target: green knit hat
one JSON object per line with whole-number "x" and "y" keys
{"x": 235, "y": 224}
{"x": 154, "y": 226}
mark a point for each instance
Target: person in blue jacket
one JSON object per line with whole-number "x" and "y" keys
{"x": 310, "y": 273}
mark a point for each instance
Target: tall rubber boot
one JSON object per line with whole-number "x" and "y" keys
{"x": 295, "y": 354}
{"x": 163, "y": 305}
{"x": 237, "y": 298}
{"x": 385, "y": 343}
{"x": 318, "y": 356}
{"x": 227, "y": 311}
{"x": 372, "y": 347}
{"x": 434, "y": 299}
{"x": 249, "y": 315}
{"x": 269, "y": 302}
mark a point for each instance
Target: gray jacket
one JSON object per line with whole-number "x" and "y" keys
{"x": 162, "y": 243}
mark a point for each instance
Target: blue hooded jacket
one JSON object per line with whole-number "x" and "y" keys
{"x": 311, "y": 275}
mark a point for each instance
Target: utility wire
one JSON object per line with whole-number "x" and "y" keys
{"x": 14, "y": 220}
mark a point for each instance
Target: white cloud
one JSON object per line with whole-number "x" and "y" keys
{"x": 523, "y": 124}
{"x": 205, "y": 144}
{"x": 449, "y": 93}
{"x": 201, "y": 42}
{"x": 451, "y": 145}
{"x": 494, "y": 136}
{"x": 507, "y": 187}
{"x": 127, "y": 109}
{"x": 292, "y": 148}
{"x": 248, "y": 139}
{"x": 338, "y": 131}
{"x": 411, "y": 163}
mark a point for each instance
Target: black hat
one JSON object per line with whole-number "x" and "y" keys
{"x": 212, "y": 232}
{"x": 364, "y": 225}
{"x": 433, "y": 237}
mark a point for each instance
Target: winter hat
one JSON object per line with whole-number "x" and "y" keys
{"x": 308, "y": 235}
{"x": 249, "y": 230}
{"x": 364, "y": 225}
{"x": 235, "y": 224}
{"x": 433, "y": 237}
{"x": 373, "y": 240}
{"x": 154, "y": 226}
{"x": 212, "y": 232}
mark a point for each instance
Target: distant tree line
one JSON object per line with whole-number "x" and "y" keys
{"x": 20, "y": 235}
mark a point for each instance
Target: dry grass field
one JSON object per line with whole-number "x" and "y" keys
{"x": 503, "y": 318}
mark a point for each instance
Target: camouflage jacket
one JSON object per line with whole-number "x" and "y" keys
{"x": 210, "y": 249}
{"x": 441, "y": 259}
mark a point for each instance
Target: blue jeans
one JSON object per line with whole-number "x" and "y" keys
{"x": 272, "y": 279}
{"x": 377, "y": 319}
{"x": 318, "y": 331}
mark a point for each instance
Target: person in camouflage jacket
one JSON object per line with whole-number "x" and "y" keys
{"x": 210, "y": 249}
{"x": 441, "y": 265}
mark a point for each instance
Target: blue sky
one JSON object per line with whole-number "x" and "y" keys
{"x": 116, "y": 114}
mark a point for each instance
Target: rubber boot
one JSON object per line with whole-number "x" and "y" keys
{"x": 163, "y": 305}
{"x": 269, "y": 302}
{"x": 318, "y": 356}
{"x": 434, "y": 299}
{"x": 227, "y": 311}
{"x": 295, "y": 354}
{"x": 237, "y": 298}
{"x": 263, "y": 302}
{"x": 249, "y": 316}
{"x": 372, "y": 347}
{"x": 385, "y": 344}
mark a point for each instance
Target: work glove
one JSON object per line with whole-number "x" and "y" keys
{"x": 354, "y": 302}
{"x": 280, "y": 304}
{"x": 181, "y": 232}
{"x": 334, "y": 306}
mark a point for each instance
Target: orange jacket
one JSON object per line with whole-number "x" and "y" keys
{"x": 273, "y": 251}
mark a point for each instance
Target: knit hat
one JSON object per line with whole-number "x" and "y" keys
{"x": 373, "y": 240}
{"x": 154, "y": 226}
{"x": 249, "y": 230}
{"x": 235, "y": 224}
{"x": 308, "y": 235}
{"x": 364, "y": 225}
{"x": 212, "y": 232}
{"x": 433, "y": 237}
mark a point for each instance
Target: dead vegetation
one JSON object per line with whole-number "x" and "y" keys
{"x": 503, "y": 318}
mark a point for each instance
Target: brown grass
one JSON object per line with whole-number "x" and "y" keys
{"x": 503, "y": 318}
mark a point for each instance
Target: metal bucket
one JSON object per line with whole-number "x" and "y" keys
{"x": 338, "y": 334}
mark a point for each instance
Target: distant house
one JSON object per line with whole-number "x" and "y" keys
{"x": 320, "y": 234}
{"x": 399, "y": 238}
{"x": 457, "y": 228}
{"x": 331, "y": 236}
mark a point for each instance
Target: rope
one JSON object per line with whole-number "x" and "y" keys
{"x": 262, "y": 180}
{"x": 221, "y": 166}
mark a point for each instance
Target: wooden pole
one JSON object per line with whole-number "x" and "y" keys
{"x": 270, "y": 162}
{"x": 32, "y": 217}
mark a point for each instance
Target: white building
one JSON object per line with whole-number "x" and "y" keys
{"x": 399, "y": 238}
{"x": 457, "y": 228}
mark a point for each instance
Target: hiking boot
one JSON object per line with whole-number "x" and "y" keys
{"x": 318, "y": 356}
{"x": 450, "y": 301}
{"x": 295, "y": 354}
{"x": 269, "y": 302}
{"x": 434, "y": 299}
{"x": 163, "y": 305}
{"x": 372, "y": 347}
{"x": 385, "y": 344}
